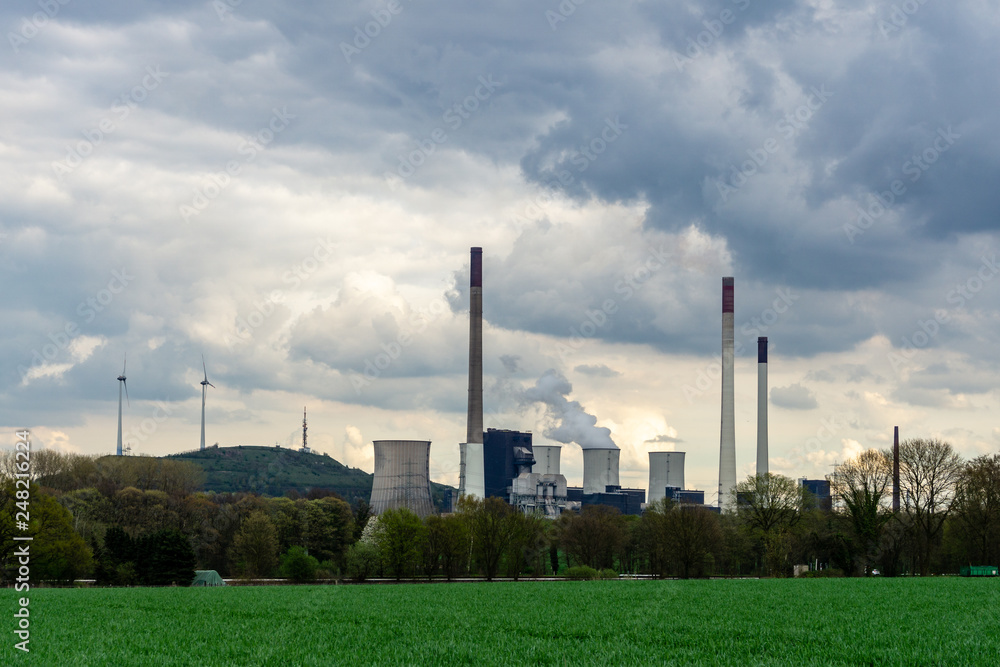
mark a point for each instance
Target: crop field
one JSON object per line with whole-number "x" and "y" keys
{"x": 939, "y": 621}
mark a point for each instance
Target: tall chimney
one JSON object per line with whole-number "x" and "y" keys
{"x": 472, "y": 475}
{"x": 762, "y": 405}
{"x": 895, "y": 469}
{"x": 727, "y": 440}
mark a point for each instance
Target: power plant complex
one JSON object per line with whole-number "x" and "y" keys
{"x": 506, "y": 464}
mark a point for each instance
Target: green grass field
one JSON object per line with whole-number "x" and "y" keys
{"x": 940, "y": 621}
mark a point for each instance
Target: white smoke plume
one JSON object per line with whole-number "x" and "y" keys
{"x": 569, "y": 421}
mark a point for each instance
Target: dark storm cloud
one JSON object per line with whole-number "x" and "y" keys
{"x": 613, "y": 104}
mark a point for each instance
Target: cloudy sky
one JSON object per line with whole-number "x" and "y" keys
{"x": 292, "y": 192}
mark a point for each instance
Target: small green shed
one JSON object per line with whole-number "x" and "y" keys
{"x": 207, "y": 578}
{"x": 979, "y": 571}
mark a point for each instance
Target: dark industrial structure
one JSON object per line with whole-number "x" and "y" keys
{"x": 627, "y": 501}
{"x": 820, "y": 489}
{"x": 506, "y": 454}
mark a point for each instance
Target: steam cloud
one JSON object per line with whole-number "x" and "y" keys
{"x": 572, "y": 422}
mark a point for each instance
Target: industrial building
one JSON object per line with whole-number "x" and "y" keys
{"x": 820, "y": 489}
{"x": 627, "y": 501}
{"x": 509, "y": 463}
{"x": 543, "y": 489}
{"x": 685, "y": 496}
{"x": 545, "y": 494}
{"x": 402, "y": 476}
{"x": 506, "y": 454}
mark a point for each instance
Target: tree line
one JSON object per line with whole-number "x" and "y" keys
{"x": 95, "y": 521}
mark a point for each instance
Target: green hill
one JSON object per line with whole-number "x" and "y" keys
{"x": 274, "y": 471}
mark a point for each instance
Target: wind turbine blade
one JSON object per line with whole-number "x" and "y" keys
{"x": 124, "y": 359}
{"x": 203, "y": 366}
{"x": 125, "y": 384}
{"x": 211, "y": 385}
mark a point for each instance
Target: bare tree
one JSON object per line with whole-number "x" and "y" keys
{"x": 863, "y": 484}
{"x": 769, "y": 506}
{"x": 977, "y": 510}
{"x": 595, "y": 536}
{"x": 929, "y": 471}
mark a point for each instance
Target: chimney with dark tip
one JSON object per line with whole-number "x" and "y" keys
{"x": 762, "y": 467}
{"x": 472, "y": 475}
{"x": 727, "y": 440}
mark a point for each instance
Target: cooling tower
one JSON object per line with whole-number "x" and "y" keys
{"x": 472, "y": 476}
{"x": 727, "y": 440}
{"x": 546, "y": 459}
{"x": 402, "y": 476}
{"x": 665, "y": 469}
{"x": 762, "y": 405}
{"x": 895, "y": 469}
{"x": 600, "y": 469}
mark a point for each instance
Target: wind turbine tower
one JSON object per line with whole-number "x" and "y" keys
{"x": 205, "y": 384}
{"x": 121, "y": 379}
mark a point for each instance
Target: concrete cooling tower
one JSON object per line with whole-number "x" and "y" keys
{"x": 402, "y": 476}
{"x": 600, "y": 469}
{"x": 546, "y": 459}
{"x": 665, "y": 469}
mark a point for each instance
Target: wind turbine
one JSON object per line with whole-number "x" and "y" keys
{"x": 205, "y": 384}
{"x": 121, "y": 378}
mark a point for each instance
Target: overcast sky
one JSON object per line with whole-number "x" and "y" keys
{"x": 293, "y": 191}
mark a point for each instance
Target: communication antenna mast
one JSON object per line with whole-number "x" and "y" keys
{"x": 305, "y": 447}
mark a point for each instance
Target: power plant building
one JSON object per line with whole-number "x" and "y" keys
{"x": 627, "y": 501}
{"x": 820, "y": 490}
{"x": 402, "y": 476}
{"x": 686, "y": 496}
{"x": 543, "y": 490}
{"x": 506, "y": 454}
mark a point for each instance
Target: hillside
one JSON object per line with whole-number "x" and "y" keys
{"x": 274, "y": 471}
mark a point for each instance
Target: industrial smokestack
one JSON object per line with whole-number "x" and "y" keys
{"x": 600, "y": 469}
{"x": 762, "y": 405}
{"x": 727, "y": 440}
{"x": 546, "y": 459}
{"x": 665, "y": 469}
{"x": 402, "y": 476}
{"x": 895, "y": 469}
{"x": 472, "y": 477}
